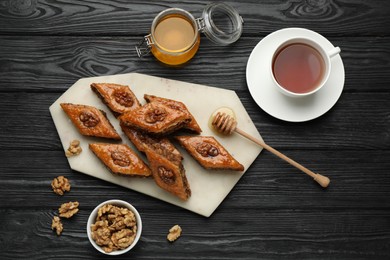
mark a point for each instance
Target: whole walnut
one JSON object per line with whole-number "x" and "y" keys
{"x": 60, "y": 184}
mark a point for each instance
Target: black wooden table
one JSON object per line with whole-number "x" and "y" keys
{"x": 274, "y": 211}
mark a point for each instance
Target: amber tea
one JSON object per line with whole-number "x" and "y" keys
{"x": 299, "y": 68}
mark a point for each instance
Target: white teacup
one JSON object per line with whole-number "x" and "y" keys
{"x": 300, "y": 66}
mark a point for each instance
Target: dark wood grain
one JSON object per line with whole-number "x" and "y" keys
{"x": 135, "y": 17}
{"x": 274, "y": 211}
{"x": 55, "y": 63}
{"x": 360, "y": 236}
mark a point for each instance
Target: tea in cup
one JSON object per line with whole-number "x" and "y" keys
{"x": 301, "y": 67}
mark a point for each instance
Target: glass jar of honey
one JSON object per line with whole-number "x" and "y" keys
{"x": 175, "y": 34}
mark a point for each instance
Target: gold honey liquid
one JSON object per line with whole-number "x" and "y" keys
{"x": 176, "y": 40}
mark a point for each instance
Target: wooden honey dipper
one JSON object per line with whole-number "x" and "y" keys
{"x": 226, "y": 124}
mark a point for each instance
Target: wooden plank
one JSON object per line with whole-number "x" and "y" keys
{"x": 359, "y": 179}
{"x": 25, "y": 117}
{"x": 55, "y": 63}
{"x": 116, "y": 17}
{"x": 249, "y": 234}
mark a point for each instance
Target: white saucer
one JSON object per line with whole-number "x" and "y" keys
{"x": 278, "y": 105}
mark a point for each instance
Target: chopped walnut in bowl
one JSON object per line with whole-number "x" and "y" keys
{"x": 114, "y": 227}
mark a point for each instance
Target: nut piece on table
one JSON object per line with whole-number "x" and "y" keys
{"x": 67, "y": 210}
{"x": 57, "y": 225}
{"x": 174, "y": 233}
{"x": 74, "y": 149}
{"x": 60, "y": 184}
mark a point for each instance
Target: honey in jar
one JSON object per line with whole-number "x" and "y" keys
{"x": 175, "y": 33}
{"x": 176, "y": 39}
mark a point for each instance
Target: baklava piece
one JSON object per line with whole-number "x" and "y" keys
{"x": 118, "y": 98}
{"x": 209, "y": 153}
{"x": 120, "y": 159}
{"x": 155, "y": 118}
{"x": 165, "y": 161}
{"x": 177, "y": 105}
{"x": 160, "y": 145}
{"x": 90, "y": 121}
{"x": 169, "y": 175}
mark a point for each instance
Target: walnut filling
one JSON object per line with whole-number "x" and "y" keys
{"x": 160, "y": 148}
{"x": 123, "y": 98}
{"x": 88, "y": 119}
{"x": 155, "y": 115}
{"x": 120, "y": 158}
{"x": 175, "y": 107}
{"x": 167, "y": 176}
{"x": 206, "y": 150}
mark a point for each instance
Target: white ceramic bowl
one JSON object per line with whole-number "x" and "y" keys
{"x": 123, "y": 204}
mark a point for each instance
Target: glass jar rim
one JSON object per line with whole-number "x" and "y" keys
{"x": 216, "y": 34}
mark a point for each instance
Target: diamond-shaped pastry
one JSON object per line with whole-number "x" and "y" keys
{"x": 120, "y": 159}
{"x": 161, "y": 145}
{"x": 155, "y": 118}
{"x": 90, "y": 121}
{"x": 209, "y": 153}
{"x": 169, "y": 175}
{"x": 177, "y": 105}
{"x": 165, "y": 161}
{"x": 118, "y": 98}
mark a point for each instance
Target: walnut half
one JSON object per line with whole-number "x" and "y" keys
{"x": 60, "y": 184}
{"x": 207, "y": 150}
{"x": 123, "y": 98}
{"x": 166, "y": 175}
{"x": 67, "y": 210}
{"x": 57, "y": 225}
{"x": 74, "y": 148}
{"x": 174, "y": 233}
{"x": 155, "y": 115}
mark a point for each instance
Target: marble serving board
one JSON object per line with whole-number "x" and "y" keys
{"x": 209, "y": 188}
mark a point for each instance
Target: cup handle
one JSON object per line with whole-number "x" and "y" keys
{"x": 333, "y": 52}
